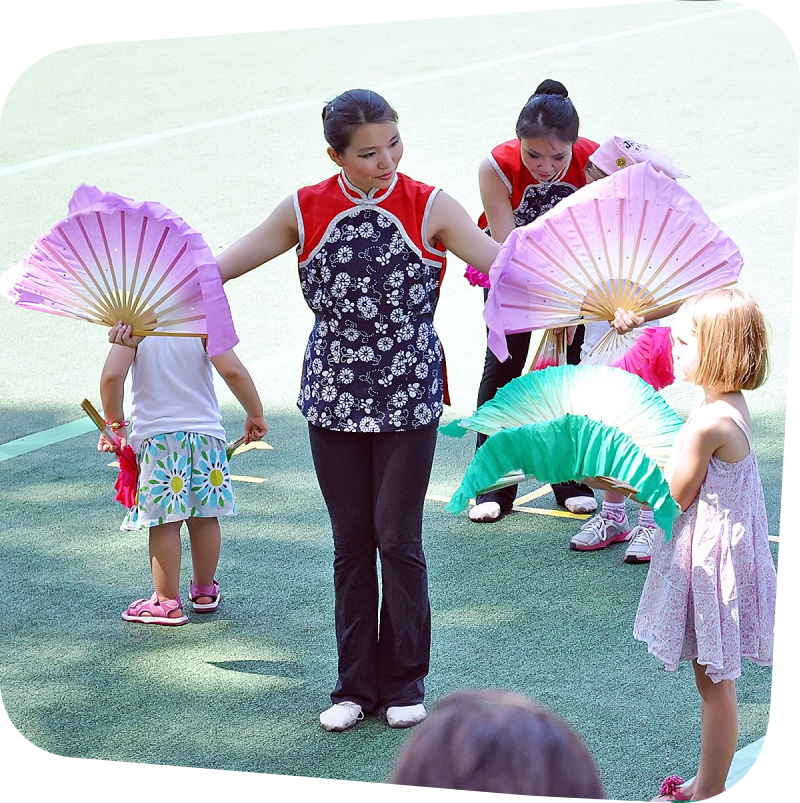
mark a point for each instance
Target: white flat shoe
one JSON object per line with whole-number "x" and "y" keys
{"x": 581, "y": 504}
{"x": 406, "y": 716}
{"x": 485, "y": 512}
{"x": 341, "y": 716}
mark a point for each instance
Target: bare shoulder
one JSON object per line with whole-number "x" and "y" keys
{"x": 486, "y": 170}
{"x": 716, "y": 426}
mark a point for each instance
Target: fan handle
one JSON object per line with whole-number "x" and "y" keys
{"x": 90, "y": 410}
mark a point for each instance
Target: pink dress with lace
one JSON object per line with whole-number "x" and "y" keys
{"x": 710, "y": 591}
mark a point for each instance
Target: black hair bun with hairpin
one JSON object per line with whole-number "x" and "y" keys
{"x": 551, "y": 87}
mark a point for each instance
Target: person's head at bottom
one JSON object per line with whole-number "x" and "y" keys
{"x": 487, "y": 740}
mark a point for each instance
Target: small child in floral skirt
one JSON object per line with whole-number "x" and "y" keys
{"x": 180, "y": 449}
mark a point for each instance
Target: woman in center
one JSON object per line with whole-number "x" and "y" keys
{"x": 371, "y": 246}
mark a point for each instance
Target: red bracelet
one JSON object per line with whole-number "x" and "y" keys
{"x": 115, "y": 425}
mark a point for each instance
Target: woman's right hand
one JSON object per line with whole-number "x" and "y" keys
{"x": 122, "y": 335}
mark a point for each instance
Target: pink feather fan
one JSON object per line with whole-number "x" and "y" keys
{"x": 114, "y": 259}
{"x": 646, "y": 352}
{"x": 636, "y": 240}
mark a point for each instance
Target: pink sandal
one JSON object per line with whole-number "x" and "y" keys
{"x": 671, "y": 789}
{"x": 204, "y": 591}
{"x": 152, "y": 612}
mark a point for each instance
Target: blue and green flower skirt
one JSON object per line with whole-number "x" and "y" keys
{"x": 181, "y": 475}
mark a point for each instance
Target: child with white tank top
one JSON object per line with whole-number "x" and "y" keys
{"x": 180, "y": 449}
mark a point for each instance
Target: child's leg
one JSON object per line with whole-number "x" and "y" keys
{"x": 640, "y": 548}
{"x": 164, "y": 606}
{"x": 165, "y": 559}
{"x": 719, "y": 731}
{"x": 608, "y": 527}
{"x": 205, "y": 539}
{"x": 646, "y": 516}
{"x": 614, "y": 505}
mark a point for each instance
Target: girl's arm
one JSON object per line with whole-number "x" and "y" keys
{"x": 276, "y": 235}
{"x": 496, "y": 202}
{"x": 240, "y": 382}
{"x": 700, "y": 441}
{"x": 112, "y": 392}
{"x": 450, "y": 224}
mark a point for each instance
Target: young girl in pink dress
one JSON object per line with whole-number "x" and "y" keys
{"x": 709, "y": 596}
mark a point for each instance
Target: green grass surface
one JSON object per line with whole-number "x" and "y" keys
{"x": 512, "y": 606}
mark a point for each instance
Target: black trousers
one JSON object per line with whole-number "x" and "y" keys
{"x": 495, "y": 375}
{"x": 374, "y": 487}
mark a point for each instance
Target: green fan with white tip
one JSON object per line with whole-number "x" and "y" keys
{"x": 569, "y": 447}
{"x": 611, "y": 396}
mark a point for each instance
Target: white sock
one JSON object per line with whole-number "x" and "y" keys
{"x": 614, "y": 510}
{"x": 646, "y": 518}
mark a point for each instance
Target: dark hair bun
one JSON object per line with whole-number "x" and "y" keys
{"x": 551, "y": 87}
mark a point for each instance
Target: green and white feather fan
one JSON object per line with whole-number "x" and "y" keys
{"x": 574, "y": 422}
{"x": 610, "y": 396}
{"x": 564, "y": 448}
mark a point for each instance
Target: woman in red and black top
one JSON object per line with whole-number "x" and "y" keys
{"x": 371, "y": 246}
{"x": 520, "y": 180}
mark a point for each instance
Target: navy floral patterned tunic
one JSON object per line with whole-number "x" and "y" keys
{"x": 373, "y": 362}
{"x": 531, "y": 198}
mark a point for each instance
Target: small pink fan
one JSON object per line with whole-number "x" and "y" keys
{"x": 113, "y": 259}
{"x": 552, "y": 350}
{"x": 636, "y": 240}
{"x": 646, "y": 352}
{"x": 476, "y": 278}
{"x": 128, "y": 478}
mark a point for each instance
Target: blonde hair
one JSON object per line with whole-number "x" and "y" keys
{"x": 732, "y": 339}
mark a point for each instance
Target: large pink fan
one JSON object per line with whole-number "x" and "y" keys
{"x": 113, "y": 259}
{"x": 636, "y": 240}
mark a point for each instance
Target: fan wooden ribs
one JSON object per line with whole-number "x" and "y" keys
{"x": 636, "y": 240}
{"x": 114, "y": 259}
{"x": 104, "y": 295}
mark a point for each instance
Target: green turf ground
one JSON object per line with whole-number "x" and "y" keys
{"x": 715, "y": 85}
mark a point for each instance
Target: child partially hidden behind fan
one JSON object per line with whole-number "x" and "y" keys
{"x": 180, "y": 446}
{"x": 610, "y": 525}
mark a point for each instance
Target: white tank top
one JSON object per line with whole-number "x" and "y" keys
{"x": 172, "y": 389}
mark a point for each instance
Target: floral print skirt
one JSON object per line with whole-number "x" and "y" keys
{"x": 181, "y": 475}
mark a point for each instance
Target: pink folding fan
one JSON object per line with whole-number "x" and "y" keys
{"x": 636, "y": 240}
{"x": 113, "y": 259}
{"x": 646, "y": 352}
